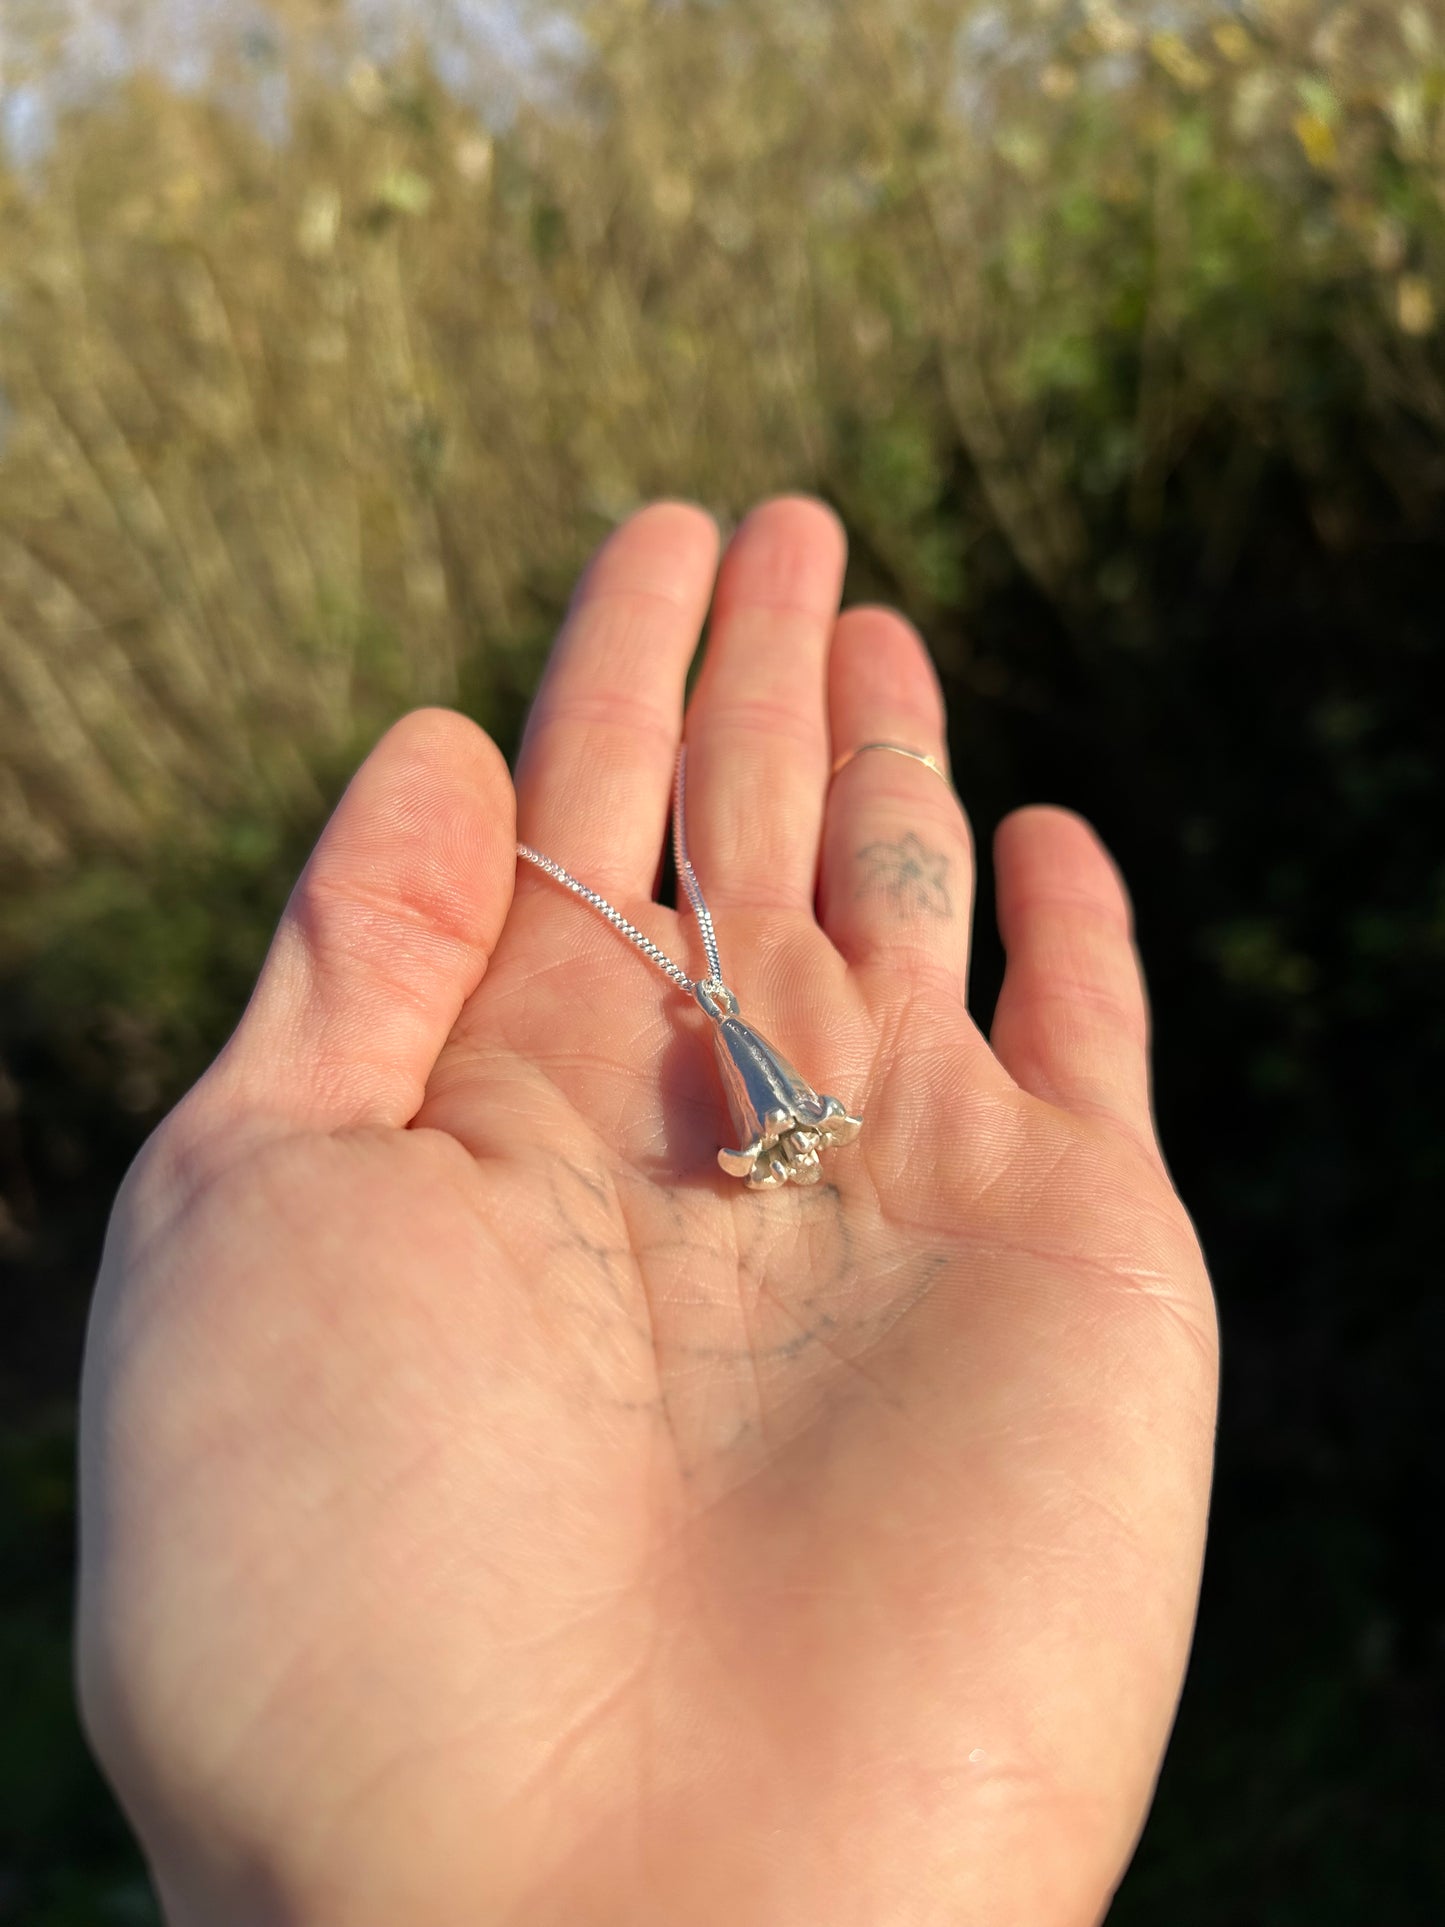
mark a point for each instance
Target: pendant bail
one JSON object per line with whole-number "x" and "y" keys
{"x": 715, "y": 997}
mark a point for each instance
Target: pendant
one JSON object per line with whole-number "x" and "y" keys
{"x": 781, "y": 1119}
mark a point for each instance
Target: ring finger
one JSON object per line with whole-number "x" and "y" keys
{"x": 895, "y": 887}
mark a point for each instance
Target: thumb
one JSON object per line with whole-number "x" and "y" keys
{"x": 387, "y": 933}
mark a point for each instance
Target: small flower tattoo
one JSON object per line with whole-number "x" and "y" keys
{"x": 909, "y": 874}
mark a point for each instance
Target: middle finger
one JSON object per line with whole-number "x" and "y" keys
{"x": 757, "y": 728}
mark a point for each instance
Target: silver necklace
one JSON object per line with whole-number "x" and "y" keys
{"x": 781, "y": 1119}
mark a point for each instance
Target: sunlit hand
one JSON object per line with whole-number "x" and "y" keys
{"x": 491, "y": 1511}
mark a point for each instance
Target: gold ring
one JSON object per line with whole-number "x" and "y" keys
{"x": 898, "y": 749}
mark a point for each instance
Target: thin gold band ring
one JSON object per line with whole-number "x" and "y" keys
{"x": 898, "y": 749}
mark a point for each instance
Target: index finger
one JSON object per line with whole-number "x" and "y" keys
{"x": 594, "y": 774}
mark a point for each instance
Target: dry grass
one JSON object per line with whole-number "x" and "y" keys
{"x": 297, "y": 436}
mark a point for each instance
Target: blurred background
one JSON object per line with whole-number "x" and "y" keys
{"x": 334, "y": 338}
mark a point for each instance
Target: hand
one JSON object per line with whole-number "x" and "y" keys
{"x": 491, "y": 1511}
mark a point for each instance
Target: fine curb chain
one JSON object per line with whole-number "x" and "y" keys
{"x": 689, "y": 883}
{"x": 781, "y": 1121}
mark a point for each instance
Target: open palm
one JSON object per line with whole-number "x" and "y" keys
{"x": 492, "y": 1511}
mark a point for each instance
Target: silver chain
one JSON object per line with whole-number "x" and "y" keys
{"x": 689, "y": 883}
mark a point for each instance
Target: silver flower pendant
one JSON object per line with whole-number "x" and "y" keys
{"x": 781, "y": 1119}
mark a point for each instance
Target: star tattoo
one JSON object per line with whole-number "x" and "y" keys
{"x": 908, "y": 873}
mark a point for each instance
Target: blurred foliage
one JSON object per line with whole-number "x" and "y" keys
{"x": 1115, "y": 336}
{"x": 66, "y": 1859}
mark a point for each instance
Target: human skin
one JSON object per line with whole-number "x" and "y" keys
{"x": 493, "y": 1513}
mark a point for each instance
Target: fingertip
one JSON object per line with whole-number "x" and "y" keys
{"x": 1049, "y": 848}
{"x": 693, "y": 523}
{"x": 445, "y": 741}
{"x": 679, "y": 540}
{"x": 427, "y": 819}
{"x": 436, "y": 720}
{"x": 791, "y": 503}
{"x": 1048, "y": 818}
{"x": 881, "y": 667}
{"x": 691, "y": 507}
